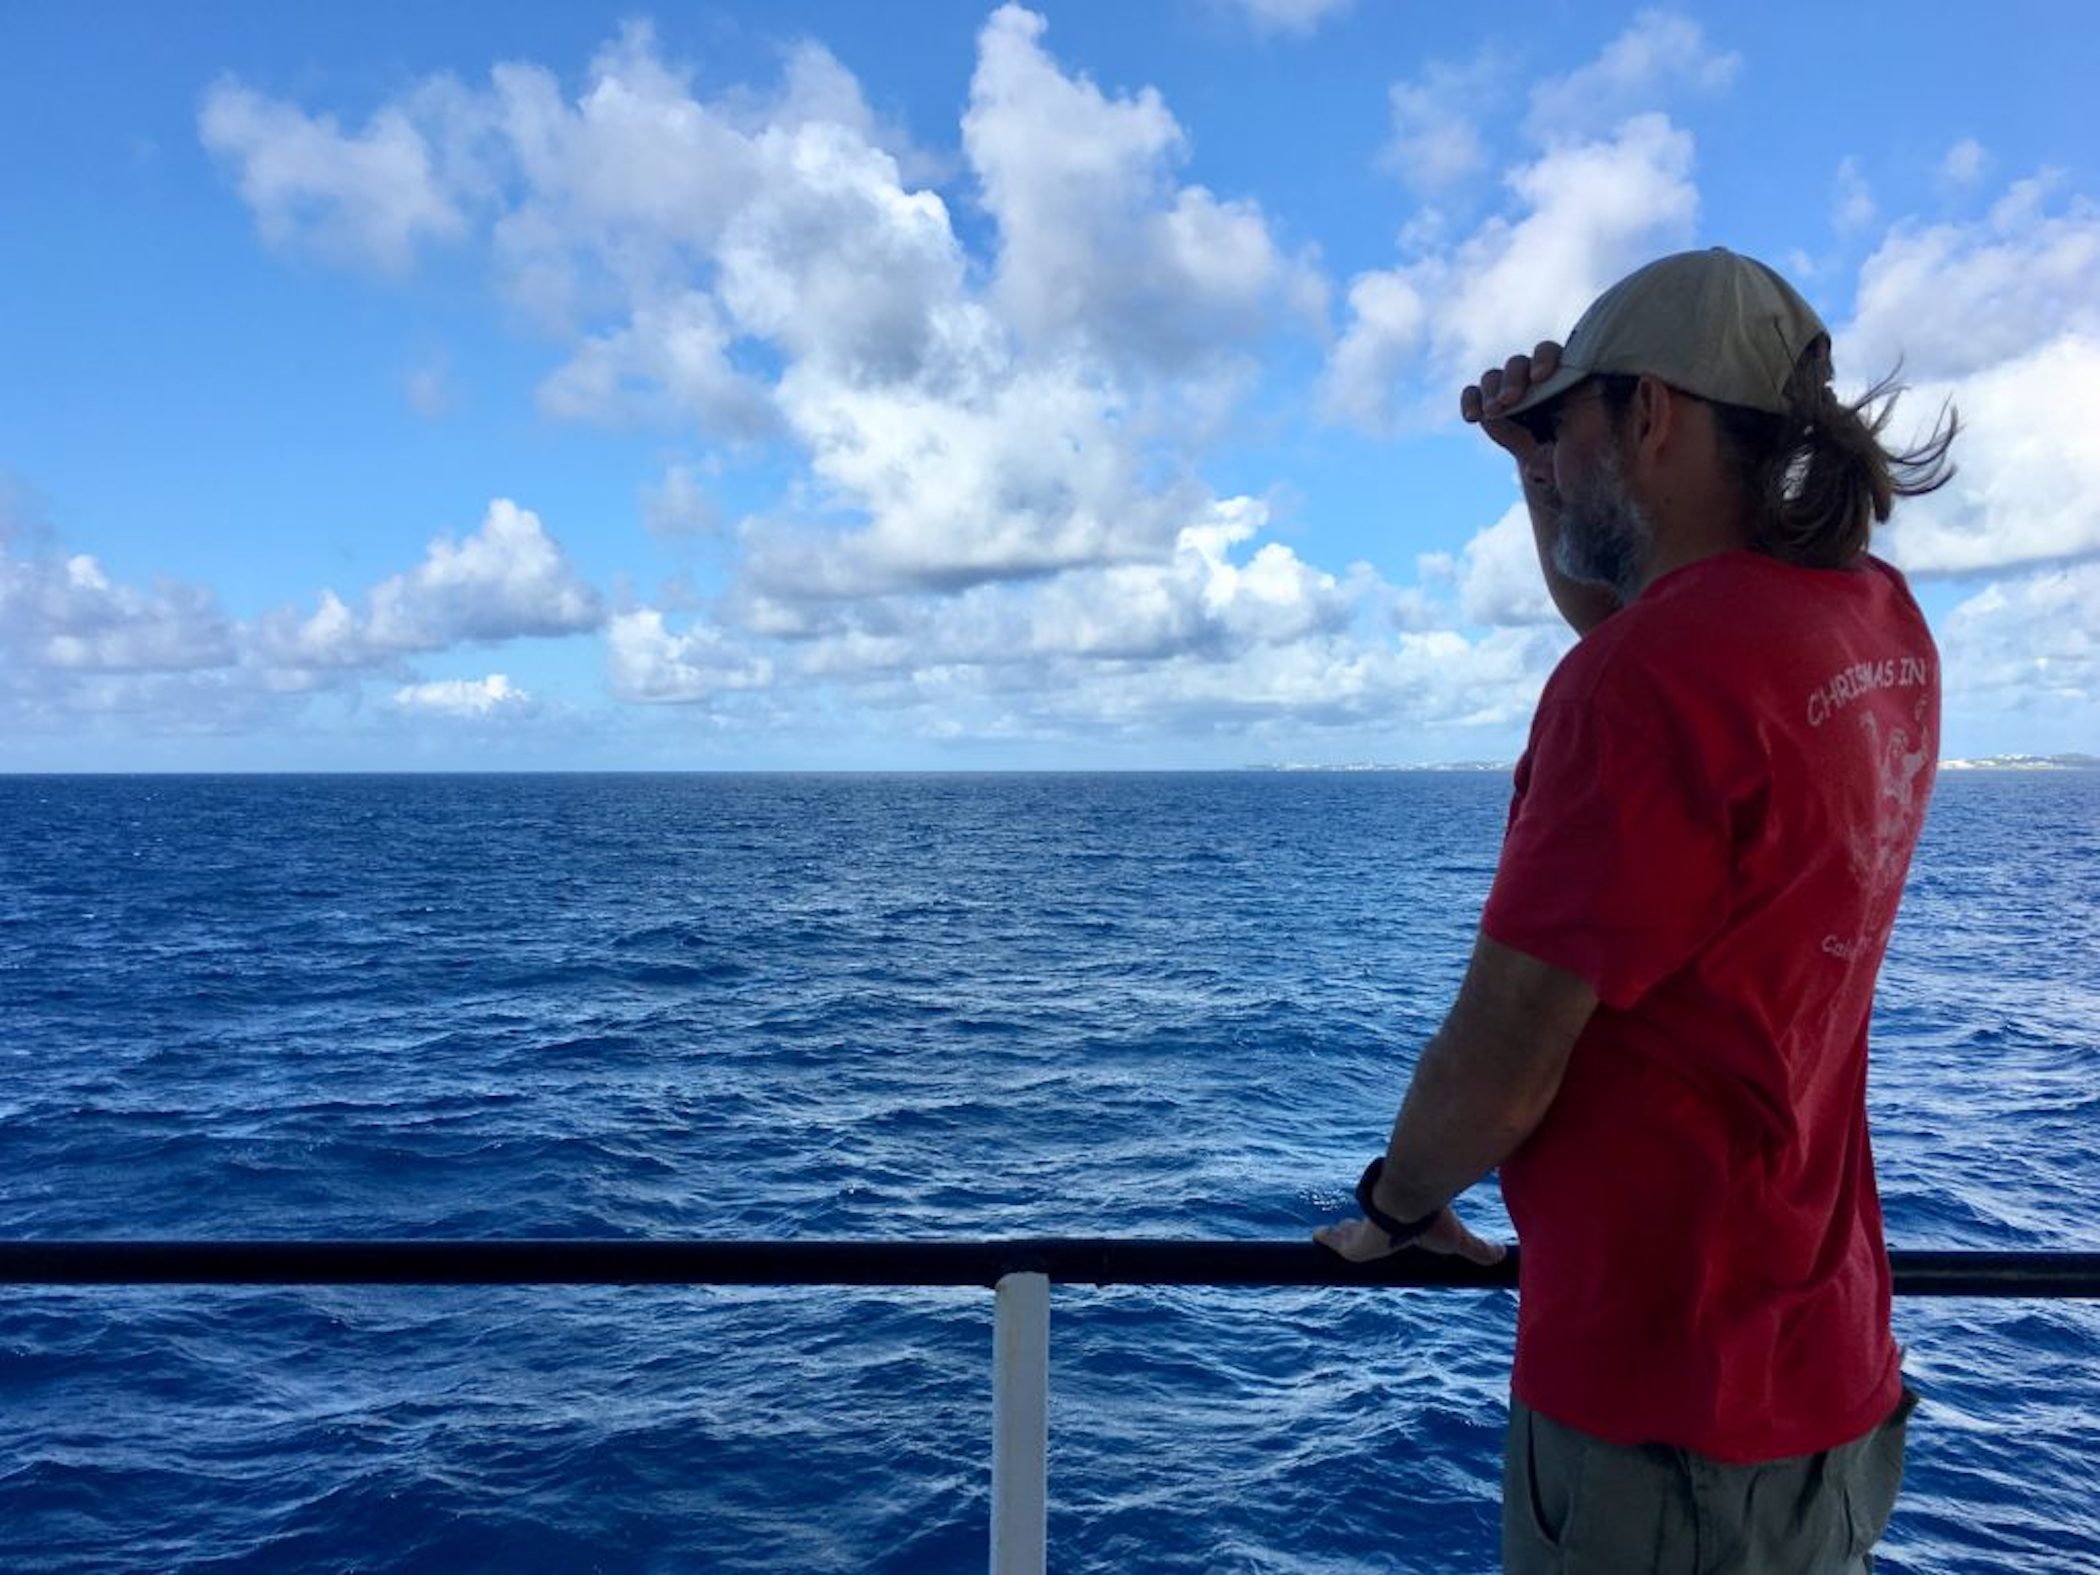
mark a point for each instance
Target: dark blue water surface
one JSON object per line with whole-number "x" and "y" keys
{"x": 883, "y": 1007}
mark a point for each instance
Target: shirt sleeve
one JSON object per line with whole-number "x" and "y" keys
{"x": 1616, "y": 864}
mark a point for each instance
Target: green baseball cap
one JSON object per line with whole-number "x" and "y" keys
{"x": 1714, "y": 323}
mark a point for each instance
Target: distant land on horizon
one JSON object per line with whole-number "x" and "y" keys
{"x": 2064, "y": 762}
{"x": 2069, "y": 762}
{"x": 2072, "y": 761}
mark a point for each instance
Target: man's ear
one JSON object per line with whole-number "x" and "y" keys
{"x": 1651, "y": 420}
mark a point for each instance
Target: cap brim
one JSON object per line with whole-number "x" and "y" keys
{"x": 1564, "y": 378}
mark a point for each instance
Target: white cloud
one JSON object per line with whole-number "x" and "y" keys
{"x": 670, "y": 361}
{"x": 1231, "y": 635}
{"x": 1659, "y": 54}
{"x": 507, "y": 580}
{"x": 368, "y": 197}
{"x": 2002, "y": 317}
{"x": 2027, "y": 484}
{"x": 759, "y": 267}
{"x": 1098, "y": 246}
{"x": 1319, "y": 680}
{"x": 836, "y": 263}
{"x": 636, "y": 176}
{"x": 2026, "y": 645}
{"x": 1204, "y": 601}
{"x": 1291, "y": 16}
{"x": 994, "y": 523}
{"x": 679, "y": 505}
{"x": 1436, "y": 141}
{"x": 1388, "y": 326}
{"x": 1589, "y": 213}
{"x": 472, "y": 698}
{"x": 64, "y": 614}
{"x": 123, "y": 709}
{"x": 1852, "y": 206}
{"x": 645, "y": 661}
{"x": 1498, "y": 576}
{"x": 1952, "y": 299}
{"x": 1034, "y": 472}
{"x": 1966, "y": 162}
{"x": 1438, "y": 679}
{"x": 85, "y": 655}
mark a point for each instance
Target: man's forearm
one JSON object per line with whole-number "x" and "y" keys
{"x": 1454, "y": 1127}
{"x": 1486, "y": 1080}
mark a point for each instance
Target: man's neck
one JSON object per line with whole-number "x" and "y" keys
{"x": 1691, "y": 530}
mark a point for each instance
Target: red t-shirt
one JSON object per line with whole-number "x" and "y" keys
{"x": 1711, "y": 826}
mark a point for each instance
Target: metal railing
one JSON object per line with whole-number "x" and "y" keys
{"x": 1020, "y": 1271}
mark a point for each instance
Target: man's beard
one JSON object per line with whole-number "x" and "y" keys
{"x": 1605, "y": 537}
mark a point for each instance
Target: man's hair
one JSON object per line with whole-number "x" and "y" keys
{"x": 1818, "y": 473}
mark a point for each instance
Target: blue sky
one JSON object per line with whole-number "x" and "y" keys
{"x": 792, "y": 386}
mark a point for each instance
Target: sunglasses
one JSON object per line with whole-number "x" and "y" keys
{"x": 1543, "y": 421}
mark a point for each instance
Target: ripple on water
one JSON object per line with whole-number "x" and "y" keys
{"x": 882, "y": 1007}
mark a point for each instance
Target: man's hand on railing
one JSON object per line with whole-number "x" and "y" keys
{"x": 1359, "y": 1241}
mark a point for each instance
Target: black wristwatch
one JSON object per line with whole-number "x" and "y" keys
{"x": 1401, "y": 1231}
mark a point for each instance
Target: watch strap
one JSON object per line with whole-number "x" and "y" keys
{"x": 1401, "y": 1231}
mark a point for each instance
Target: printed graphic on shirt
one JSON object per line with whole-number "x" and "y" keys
{"x": 1899, "y": 749}
{"x": 1861, "y": 679}
{"x": 1898, "y": 760}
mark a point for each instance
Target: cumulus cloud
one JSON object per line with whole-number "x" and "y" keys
{"x": 679, "y": 505}
{"x": 670, "y": 359}
{"x": 1588, "y": 213}
{"x": 2027, "y": 487}
{"x": 1659, "y": 54}
{"x": 2028, "y": 645}
{"x": 646, "y": 662}
{"x": 1212, "y": 598}
{"x": 1097, "y": 244}
{"x": 1852, "y": 206}
{"x": 1436, "y": 141}
{"x": 507, "y": 580}
{"x": 1497, "y": 575}
{"x": 837, "y": 263}
{"x": 1966, "y": 162}
{"x": 1952, "y": 299}
{"x": 1984, "y": 314}
{"x": 1609, "y": 189}
{"x": 1035, "y": 471}
{"x": 1231, "y": 633}
{"x": 994, "y": 520}
{"x": 806, "y": 238}
{"x": 366, "y": 197}
{"x": 762, "y": 268}
{"x": 83, "y": 653}
{"x": 473, "y": 698}
{"x": 1438, "y": 679}
{"x": 1273, "y": 597}
{"x": 64, "y": 614}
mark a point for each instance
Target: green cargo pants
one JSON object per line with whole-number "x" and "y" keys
{"x": 1574, "y": 1505}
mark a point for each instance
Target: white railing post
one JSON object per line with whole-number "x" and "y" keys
{"x": 1020, "y": 1424}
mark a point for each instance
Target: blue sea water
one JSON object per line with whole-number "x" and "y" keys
{"x": 885, "y": 1007}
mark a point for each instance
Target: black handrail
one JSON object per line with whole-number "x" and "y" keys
{"x": 1065, "y": 1260}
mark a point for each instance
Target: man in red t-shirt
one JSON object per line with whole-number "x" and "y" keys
{"x": 1662, "y": 1036}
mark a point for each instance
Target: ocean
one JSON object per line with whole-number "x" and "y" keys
{"x": 885, "y": 1007}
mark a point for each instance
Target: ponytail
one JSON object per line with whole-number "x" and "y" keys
{"x": 1819, "y": 473}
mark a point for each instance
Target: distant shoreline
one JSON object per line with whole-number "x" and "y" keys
{"x": 2073, "y": 762}
{"x": 2067, "y": 762}
{"x": 2020, "y": 763}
